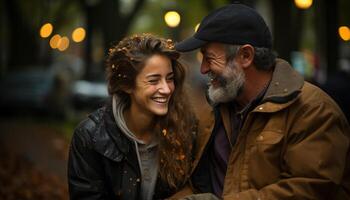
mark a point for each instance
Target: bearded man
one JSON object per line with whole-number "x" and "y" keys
{"x": 272, "y": 135}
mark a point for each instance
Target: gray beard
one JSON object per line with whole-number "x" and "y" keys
{"x": 231, "y": 84}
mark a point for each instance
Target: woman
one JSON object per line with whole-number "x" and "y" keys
{"x": 139, "y": 145}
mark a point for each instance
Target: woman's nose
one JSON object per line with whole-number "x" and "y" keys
{"x": 164, "y": 88}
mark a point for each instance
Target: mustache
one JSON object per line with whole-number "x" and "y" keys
{"x": 221, "y": 79}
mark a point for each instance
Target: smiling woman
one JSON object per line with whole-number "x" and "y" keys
{"x": 139, "y": 145}
{"x": 153, "y": 89}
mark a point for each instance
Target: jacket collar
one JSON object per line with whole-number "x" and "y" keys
{"x": 107, "y": 138}
{"x": 282, "y": 91}
{"x": 284, "y": 88}
{"x": 285, "y": 85}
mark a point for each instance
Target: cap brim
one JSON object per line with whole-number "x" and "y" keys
{"x": 189, "y": 44}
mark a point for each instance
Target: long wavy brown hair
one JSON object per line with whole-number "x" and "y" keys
{"x": 177, "y": 128}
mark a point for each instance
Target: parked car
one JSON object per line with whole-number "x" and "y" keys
{"x": 88, "y": 95}
{"x": 38, "y": 90}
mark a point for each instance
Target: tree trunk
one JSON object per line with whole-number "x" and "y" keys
{"x": 287, "y": 27}
{"x": 332, "y": 35}
{"x": 23, "y": 45}
{"x": 327, "y": 47}
{"x": 90, "y": 26}
{"x": 107, "y": 18}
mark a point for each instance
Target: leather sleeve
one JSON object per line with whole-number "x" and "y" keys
{"x": 85, "y": 177}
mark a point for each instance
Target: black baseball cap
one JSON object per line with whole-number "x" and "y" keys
{"x": 232, "y": 24}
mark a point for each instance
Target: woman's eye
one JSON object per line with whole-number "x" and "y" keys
{"x": 153, "y": 81}
{"x": 170, "y": 78}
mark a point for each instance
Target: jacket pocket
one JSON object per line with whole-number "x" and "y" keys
{"x": 264, "y": 156}
{"x": 268, "y": 143}
{"x": 269, "y": 137}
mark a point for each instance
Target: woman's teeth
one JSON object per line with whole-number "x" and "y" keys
{"x": 160, "y": 99}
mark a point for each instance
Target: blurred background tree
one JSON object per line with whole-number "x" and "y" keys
{"x": 21, "y": 23}
{"x": 314, "y": 27}
{"x": 109, "y": 18}
{"x": 22, "y": 20}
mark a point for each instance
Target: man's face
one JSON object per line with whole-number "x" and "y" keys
{"x": 226, "y": 78}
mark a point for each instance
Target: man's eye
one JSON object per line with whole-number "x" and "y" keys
{"x": 208, "y": 59}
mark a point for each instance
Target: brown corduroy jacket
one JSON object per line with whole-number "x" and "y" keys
{"x": 294, "y": 145}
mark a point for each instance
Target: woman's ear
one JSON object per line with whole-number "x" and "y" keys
{"x": 126, "y": 89}
{"x": 246, "y": 55}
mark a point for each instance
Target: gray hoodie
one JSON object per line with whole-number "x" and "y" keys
{"x": 147, "y": 154}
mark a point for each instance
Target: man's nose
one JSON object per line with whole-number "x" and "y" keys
{"x": 204, "y": 67}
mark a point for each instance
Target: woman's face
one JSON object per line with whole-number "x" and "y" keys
{"x": 154, "y": 86}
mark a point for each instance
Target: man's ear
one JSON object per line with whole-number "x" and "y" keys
{"x": 246, "y": 55}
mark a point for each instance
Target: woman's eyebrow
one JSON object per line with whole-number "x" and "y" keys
{"x": 152, "y": 75}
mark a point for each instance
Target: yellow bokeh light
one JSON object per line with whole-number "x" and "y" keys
{"x": 46, "y": 30}
{"x": 303, "y": 4}
{"x": 78, "y": 34}
{"x": 54, "y": 41}
{"x": 344, "y": 33}
{"x": 172, "y": 18}
{"x": 196, "y": 28}
{"x": 63, "y": 44}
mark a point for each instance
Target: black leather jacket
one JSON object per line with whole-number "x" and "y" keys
{"x": 103, "y": 162}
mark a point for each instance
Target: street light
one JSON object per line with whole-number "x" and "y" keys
{"x": 46, "y": 30}
{"x": 303, "y": 4}
{"x": 172, "y": 19}
{"x": 78, "y": 34}
{"x": 54, "y": 41}
{"x": 63, "y": 43}
{"x": 344, "y": 33}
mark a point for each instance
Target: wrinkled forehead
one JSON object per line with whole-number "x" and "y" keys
{"x": 213, "y": 49}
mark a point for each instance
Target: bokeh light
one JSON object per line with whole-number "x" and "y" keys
{"x": 344, "y": 33}
{"x": 303, "y": 4}
{"x": 78, "y": 34}
{"x": 54, "y": 41}
{"x": 63, "y": 44}
{"x": 196, "y": 27}
{"x": 46, "y": 30}
{"x": 172, "y": 18}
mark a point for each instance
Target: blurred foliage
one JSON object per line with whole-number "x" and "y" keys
{"x": 107, "y": 21}
{"x": 22, "y": 22}
{"x": 63, "y": 14}
{"x": 151, "y": 18}
{"x": 344, "y": 14}
{"x": 33, "y": 158}
{"x": 19, "y": 179}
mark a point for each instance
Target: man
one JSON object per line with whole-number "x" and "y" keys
{"x": 275, "y": 136}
